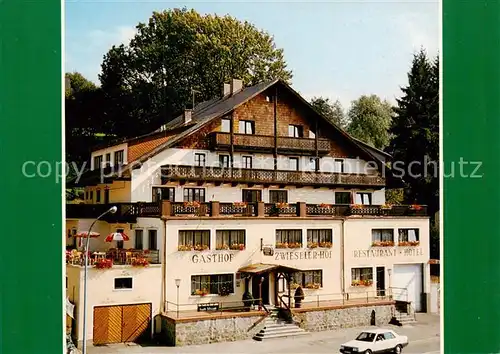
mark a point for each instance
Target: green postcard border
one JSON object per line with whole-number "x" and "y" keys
{"x": 31, "y": 293}
{"x": 471, "y": 110}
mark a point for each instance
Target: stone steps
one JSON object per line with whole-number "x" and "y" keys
{"x": 277, "y": 328}
{"x": 404, "y": 318}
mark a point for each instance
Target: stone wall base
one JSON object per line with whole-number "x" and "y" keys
{"x": 328, "y": 319}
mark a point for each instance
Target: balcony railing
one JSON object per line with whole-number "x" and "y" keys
{"x": 261, "y": 176}
{"x": 265, "y": 143}
{"x": 216, "y": 209}
{"x": 127, "y": 212}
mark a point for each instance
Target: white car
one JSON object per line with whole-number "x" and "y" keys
{"x": 375, "y": 341}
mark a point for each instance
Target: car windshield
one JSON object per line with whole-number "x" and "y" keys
{"x": 366, "y": 337}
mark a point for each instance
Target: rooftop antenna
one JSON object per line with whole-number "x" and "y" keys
{"x": 193, "y": 91}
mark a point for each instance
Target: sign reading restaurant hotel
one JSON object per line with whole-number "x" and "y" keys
{"x": 388, "y": 252}
{"x": 296, "y": 255}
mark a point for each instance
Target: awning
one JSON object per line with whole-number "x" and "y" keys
{"x": 70, "y": 309}
{"x": 259, "y": 268}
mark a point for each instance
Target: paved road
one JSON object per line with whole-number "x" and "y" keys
{"x": 424, "y": 338}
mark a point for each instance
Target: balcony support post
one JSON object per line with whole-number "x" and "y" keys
{"x": 275, "y": 151}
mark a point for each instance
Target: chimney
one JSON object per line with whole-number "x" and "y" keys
{"x": 236, "y": 86}
{"x": 226, "y": 90}
{"x": 187, "y": 115}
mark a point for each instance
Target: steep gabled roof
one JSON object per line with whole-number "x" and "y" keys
{"x": 206, "y": 111}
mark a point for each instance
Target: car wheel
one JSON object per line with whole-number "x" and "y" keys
{"x": 398, "y": 349}
{"x": 368, "y": 351}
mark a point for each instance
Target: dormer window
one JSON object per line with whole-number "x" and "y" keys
{"x": 295, "y": 131}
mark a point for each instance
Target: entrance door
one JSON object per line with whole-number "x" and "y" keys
{"x": 264, "y": 291}
{"x": 380, "y": 281}
{"x": 409, "y": 277}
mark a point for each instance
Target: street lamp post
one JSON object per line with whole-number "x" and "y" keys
{"x": 389, "y": 271}
{"x": 177, "y": 284}
{"x": 111, "y": 210}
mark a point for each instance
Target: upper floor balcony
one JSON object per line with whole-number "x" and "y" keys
{"x": 267, "y": 177}
{"x": 126, "y": 212}
{"x": 265, "y": 143}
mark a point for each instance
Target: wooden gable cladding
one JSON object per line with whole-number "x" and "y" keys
{"x": 200, "y": 138}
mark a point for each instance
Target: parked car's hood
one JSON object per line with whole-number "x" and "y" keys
{"x": 356, "y": 344}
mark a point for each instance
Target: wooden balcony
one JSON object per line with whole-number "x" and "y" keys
{"x": 265, "y": 143}
{"x": 218, "y": 209}
{"x": 127, "y": 212}
{"x": 267, "y": 177}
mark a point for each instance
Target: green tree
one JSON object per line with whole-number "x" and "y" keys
{"x": 394, "y": 196}
{"x": 369, "y": 120}
{"x": 415, "y": 134}
{"x": 150, "y": 80}
{"x": 331, "y": 110}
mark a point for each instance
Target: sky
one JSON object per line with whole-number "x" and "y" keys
{"x": 336, "y": 49}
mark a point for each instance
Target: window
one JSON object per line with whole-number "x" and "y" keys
{"x": 194, "y": 195}
{"x": 361, "y": 274}
{"x": 251, "y": 195}
{"x": 123, "y": 283}
{"x": 163, "y": 193}
{"x": 225, "y": 126}
{"x": 315, "y": 163}
{"x": 233, "y": 239}
{"x": 295, "y": 131}
{"x": 247, "y": 162}
{"x": 389, "y": 335}
{"x": 278, "y": 196}
{"x": 152, "y": 240}
{"x": 194, "y": 237}
{"x": 288, "y": 236}
{"x": 293, "y": 163}
{"x": 246, "y": 127}
{"x": 383, "y": 235}
{"x": 98, "y": 196}
{"x": 322, "y": 237}
{"x": 199, "y": 159}
{"x": 107, "y": 160}
{"x": 224, "y": 161}
{"x": 139, "y": 245}
{"x": 92, "y": 196}
{"x": 97, "y": 162}
{"x": 312, "y": 135}
{"x": 339, "y": 165}
{"x": 119, "y": 244}
{"x": 119, "y": 158}
{"x": 270, "y": 99}
{"x": 308, "y": 279}
{"x": 364, "y": 198}
{"x": 408, "y": 235}
{"x": 342, "y": 197}
{"x": 212, "y": 284}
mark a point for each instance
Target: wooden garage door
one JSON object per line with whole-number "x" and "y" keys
{"x": 124, "y": 323}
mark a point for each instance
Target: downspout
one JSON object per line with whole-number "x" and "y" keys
{"x": 275, "y": 118}
{"x": 164, "y": 269}
{"x": 342, "y": 258}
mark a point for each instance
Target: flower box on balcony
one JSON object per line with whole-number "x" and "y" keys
{"x": 409, "y": 243}
{"x": 281, "y": 245}
{"x": 362, "y": 283}
{"x": 386, "y": 207}
{"x": 240, "y": 204}
{"x": 222, "y": 248}
{"x": 415, "y": 207}
{"x": 356, "y": 206}
{"x": 323, "y": 205}
{"x": 103, "y": 264}
{"x": 281, "y": 205}
{"x": 312, "y": 245}
{"x": 140, "y": 262}
{"x": 312, "y": 286}
{"x": 294, "y": 245}
{"x": 237, "y": 247}
{"x": 192, "y": 204}
{"x": 325, "y": 245}
{"x": 383, "y": 244}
